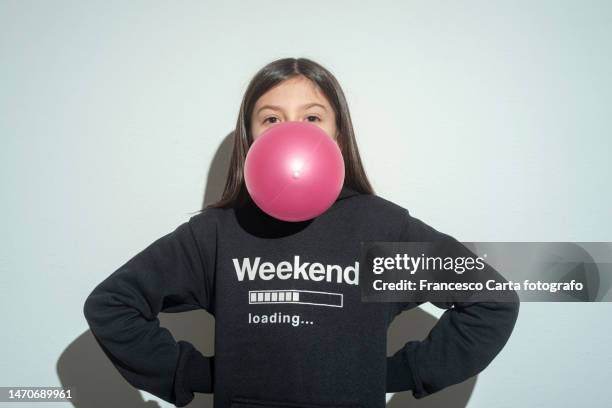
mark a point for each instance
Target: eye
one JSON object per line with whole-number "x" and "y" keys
{"x": 271, "y": 117}
{"x": 316, "y": 118}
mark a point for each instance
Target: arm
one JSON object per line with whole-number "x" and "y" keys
{"x": 168, "y": 275}
{"x": 466, "y": 338}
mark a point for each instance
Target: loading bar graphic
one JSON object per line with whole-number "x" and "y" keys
{"x": 307, "y": 297}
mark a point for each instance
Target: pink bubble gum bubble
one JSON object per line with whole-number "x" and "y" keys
{"x": 294, "y": 171}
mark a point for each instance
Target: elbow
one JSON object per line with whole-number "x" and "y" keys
{"x": 96, "y": 313}
{"x": 514, "y": 305}
{"x": 91, "y": 307}
{"x": 509, "y": 311}
{"x": 88, "y": 308}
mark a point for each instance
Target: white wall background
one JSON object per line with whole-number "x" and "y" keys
{"x": 488, "y": 120}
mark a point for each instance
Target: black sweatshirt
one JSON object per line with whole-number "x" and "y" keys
{"x": 290, "y": 326}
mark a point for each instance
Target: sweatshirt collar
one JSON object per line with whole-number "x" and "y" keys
{"x": 253, "y": 220}
{"x": 346, "y": 192}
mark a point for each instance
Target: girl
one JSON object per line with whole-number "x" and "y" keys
{"x": 290, "y": 326}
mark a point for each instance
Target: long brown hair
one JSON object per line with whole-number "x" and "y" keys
{"x": 273, "y": 73}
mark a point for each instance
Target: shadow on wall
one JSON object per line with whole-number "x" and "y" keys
{"x": 97, "y": 383}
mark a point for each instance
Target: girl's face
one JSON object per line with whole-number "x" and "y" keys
{"x": 295, "y": 99}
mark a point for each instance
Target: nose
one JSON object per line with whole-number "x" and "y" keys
{"x": 293, "y": 116}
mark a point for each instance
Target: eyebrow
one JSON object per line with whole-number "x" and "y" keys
{"x": 277, "y": 108}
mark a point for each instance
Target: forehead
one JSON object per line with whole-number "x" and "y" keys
{"x": 293, "y": 92}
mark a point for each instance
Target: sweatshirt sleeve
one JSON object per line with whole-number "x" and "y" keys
{"x": 465, "y": 339}
{"x": 169, "y": 275}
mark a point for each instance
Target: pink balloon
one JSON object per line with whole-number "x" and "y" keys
{"x": 294, "y": 171}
